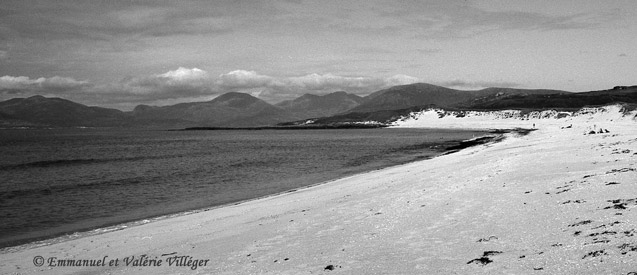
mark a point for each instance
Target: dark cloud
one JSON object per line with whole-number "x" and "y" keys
{"x": 457, "y": 19}
{"x": 433, "y": 19}
{"x": 109, "y": 20}
{"x": 107, "y": 40}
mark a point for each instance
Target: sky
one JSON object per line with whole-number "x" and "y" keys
{"x": 119, "y": 54}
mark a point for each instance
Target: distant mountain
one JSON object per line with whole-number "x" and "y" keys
{"x": 423, "y": 94}
{"x": 228, "y": 110}
{"x": 312, "y": 106}
{"x": 56, "y": 112}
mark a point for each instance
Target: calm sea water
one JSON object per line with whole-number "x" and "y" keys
{"x": 58, "y": 181}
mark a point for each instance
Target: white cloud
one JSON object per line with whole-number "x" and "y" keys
{"x": 401, "y": 79}
{"x": 58, "y": 82}
{"x": 244, "y": 79}
{"x": 40, "y": 84}
{"x": 326, "y": 81}
{"x": 13, "y": 82}
{"x": 187, "y": 84}
{"x": 347, "y": 83}
{"x": 463, "y": 84}
{"x": 286, "y": 87}
{"x": 172, "y": 86}
{"x": 182, "y": 82}
{"x": 183, "y": 74}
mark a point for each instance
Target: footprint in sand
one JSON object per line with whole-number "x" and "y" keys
{"x": 484, "y": 260}
{"x": 487, "y": 239}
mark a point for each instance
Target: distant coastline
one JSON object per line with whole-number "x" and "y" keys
{"x": 292, "y": 127}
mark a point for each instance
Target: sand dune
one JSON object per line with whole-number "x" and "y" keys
{"x": 556, "y": 201}
{"x": 612, "y": 115}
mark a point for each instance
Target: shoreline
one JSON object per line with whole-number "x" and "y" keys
{"x": 556, "y": 201}
{"x": 488, "y": 136}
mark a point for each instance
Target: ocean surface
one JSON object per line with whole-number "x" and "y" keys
{"x": 59, "y": 181}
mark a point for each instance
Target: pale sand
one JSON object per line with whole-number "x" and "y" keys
{"x": 534, "y": 204}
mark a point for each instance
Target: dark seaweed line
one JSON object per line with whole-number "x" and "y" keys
{"x": 499, "y": 136}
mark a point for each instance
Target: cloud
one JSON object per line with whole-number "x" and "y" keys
{"x": 276, "y": 89}
{"x": 111, "y": 21}
{"x": 428, "y": 51}
{"x": 3, "y": 54}
{"x": 172, "y": 86}
{"x": 401, "y": 79}
{"x": 135, "y": 18}
{"x": 242, "y": 79}
{"x": 463, "y": 84}
{"x": 193, "y": 84}
{"x": 328, "y": 81}
{"x": 373, "y": 50}
{"x": 130, "y": 21}
{"x": 53, "y": 84}
{"x": 179, "y": 83}
{"x": 184, "y": 75}
{"x": 459, "y": 19}
{"x": 450, "y": 19}
{"x": 57, "y": 86}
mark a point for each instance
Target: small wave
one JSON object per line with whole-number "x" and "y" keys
{"x": 68, "y": 162}
{"x": 52, "y": 163}
{"x": 50, "y": 190}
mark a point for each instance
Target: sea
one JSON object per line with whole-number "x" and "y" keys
{"x": 61, "y": 182}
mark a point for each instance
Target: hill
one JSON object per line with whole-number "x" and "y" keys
{"x": 228, "y": 110}
{"x": 491, "y": 99}
{"x": 310, "y": 106}
{"x": 39, "y": 111}
{"x": 557, "y": 101}
{"x": 423, "y": 94}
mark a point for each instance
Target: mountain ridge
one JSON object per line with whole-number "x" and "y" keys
{"x": 309, "y": 105}
{"x": 229, "y": 109}
{"x": 235, "y": 109}
{"x": 422, "y": 94}
{"x": 41, "y": 111}
{"x": 518, "y": 99}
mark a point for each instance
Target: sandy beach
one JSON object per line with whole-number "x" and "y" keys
{"x": 559, "y": 200}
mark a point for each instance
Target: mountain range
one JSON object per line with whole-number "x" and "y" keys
{"x": 243, "y": 110}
